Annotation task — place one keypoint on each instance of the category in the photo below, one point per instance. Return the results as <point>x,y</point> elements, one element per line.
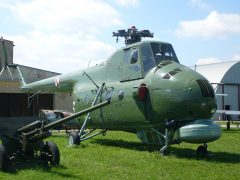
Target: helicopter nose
<point>180,93</point>
<point>200,98</point>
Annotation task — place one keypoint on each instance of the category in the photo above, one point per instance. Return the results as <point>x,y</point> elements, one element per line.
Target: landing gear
<point>73,138</point>
<point>164,149</point>
<point>51,153</point>
<point>169,128</point>
<point>202,150</point>
<point>3,157</point>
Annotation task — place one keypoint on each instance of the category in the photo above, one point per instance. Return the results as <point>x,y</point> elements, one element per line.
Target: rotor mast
<point>132,35</point>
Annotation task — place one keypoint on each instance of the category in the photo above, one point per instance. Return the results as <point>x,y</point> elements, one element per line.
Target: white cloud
<point>61,35</point>
<point>5,5</point>
<point>236,57</point>
<point>211,60</point>
<point>215,25</point>
<point>208,60</point>
<point>67,15</point>
<point>59,52</point>
<point>127,2</point>
<point>200,4</point>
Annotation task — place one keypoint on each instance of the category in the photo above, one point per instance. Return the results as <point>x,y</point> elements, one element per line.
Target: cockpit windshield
<point>154,53</point>
<point>162,52</point>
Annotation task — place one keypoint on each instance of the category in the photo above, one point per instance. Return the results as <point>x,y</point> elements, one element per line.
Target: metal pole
<point>223,106</point>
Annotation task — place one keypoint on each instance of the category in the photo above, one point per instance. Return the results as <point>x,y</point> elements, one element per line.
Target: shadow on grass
<point>185,153</point>
<point>127,145</point>
<point>34,163</point>
<point>231,131</point>
<point>223,157</point>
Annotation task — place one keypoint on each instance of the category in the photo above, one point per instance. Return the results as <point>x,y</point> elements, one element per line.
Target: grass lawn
<point>120,155</point>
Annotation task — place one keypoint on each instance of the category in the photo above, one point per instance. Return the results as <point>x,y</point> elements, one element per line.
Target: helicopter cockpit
<point>140,57</point>
<point>154,53</point>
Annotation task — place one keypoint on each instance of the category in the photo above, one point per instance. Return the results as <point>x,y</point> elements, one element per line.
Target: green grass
<point>120,155</point>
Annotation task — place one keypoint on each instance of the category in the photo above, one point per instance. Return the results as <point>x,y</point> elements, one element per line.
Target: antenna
<point>132,35</point>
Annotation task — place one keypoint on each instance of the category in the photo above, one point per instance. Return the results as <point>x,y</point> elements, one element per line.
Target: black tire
<point>50,151</point>
<point>73,138</point>
<point>202,150</point>
<point>3,158</point>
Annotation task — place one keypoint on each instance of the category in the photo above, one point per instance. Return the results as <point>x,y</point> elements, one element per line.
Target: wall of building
<point>9,86</point>
<point>14,102</point>
<point>19,104</point>
<point>63,101</point>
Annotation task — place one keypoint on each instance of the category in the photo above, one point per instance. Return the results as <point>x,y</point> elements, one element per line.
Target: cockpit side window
<point>163,52</point>
<point>147,58</point>
<point>131,67</point>
<point>131,55</point>
<point>126,55</point>
<point>134,56</point>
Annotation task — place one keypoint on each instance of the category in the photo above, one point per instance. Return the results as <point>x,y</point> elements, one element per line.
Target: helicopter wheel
<point>73,138</point>
<point>51,153</point>
<point>202,150</point>
<point>3,158</point>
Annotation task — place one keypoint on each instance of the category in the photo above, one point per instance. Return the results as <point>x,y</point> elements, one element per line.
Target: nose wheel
<point>202,150</point>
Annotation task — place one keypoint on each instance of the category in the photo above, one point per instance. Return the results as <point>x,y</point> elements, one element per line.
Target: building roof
<point>30,74</point>
<point>224,72</point>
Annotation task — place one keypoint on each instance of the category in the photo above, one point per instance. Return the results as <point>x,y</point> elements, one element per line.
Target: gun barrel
<point>34,125</point>
<point>85,111</point>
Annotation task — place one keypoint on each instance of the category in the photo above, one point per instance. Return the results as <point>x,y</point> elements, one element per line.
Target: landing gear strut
<point>164,149</point>
<point>76,138</point>
<point>202,150</point>
<point>169,128</point>
<point>166,137</point>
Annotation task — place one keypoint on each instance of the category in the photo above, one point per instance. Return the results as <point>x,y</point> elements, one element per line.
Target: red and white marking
<point>57,82</point>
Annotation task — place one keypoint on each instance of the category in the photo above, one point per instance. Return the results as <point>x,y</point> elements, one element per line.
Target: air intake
<point>206,88</point>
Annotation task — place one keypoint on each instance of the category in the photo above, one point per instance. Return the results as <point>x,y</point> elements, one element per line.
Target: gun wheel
<point>3,157</point>
<point>50,152</point>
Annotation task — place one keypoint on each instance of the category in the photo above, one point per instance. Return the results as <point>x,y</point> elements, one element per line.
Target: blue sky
<point>66,35</point>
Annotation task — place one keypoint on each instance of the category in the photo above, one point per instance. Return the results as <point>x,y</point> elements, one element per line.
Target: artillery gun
<point>25,137</point>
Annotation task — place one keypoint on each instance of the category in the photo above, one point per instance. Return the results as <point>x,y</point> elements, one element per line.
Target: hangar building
<point>13,102</point>
<point>225,78</point>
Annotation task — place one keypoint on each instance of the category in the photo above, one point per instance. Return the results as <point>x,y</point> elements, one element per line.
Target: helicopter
<point>151,94</point>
